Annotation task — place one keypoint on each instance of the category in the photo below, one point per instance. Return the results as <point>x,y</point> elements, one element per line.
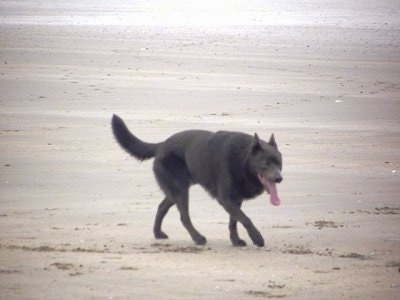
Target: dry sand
<point>76,213</point>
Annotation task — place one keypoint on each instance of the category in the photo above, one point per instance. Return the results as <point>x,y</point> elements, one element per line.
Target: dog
<point>230,166</point>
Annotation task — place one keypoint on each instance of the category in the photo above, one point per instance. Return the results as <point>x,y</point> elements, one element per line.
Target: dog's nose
<point>278,179</point>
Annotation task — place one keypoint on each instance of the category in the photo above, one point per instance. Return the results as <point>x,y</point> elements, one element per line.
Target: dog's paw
<point>160,235</point>
<point>259,243</point>
<point>257,239</point>
<point>200,240</point>
<point>239,243</point>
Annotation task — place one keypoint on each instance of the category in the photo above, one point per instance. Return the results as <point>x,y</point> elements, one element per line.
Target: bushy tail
<point>137,148</point>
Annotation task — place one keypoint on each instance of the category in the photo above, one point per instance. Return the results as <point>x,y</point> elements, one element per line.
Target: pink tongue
<point>273,194</point>
<point>271,188</point>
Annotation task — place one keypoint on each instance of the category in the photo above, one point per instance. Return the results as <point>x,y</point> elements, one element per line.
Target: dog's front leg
<point>234,235</point>
<point>237,215</point>
<point>235,239</point>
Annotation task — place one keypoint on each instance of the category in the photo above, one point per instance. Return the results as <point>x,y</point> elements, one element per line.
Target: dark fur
<point>224,163</point>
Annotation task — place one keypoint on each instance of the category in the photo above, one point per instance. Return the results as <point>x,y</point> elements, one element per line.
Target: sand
<point>76,212</point>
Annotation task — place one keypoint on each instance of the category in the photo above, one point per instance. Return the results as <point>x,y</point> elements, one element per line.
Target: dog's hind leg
<point>163,208</point>
<point>182,201</point>
<point>173,178</point>
<point>235,239</point>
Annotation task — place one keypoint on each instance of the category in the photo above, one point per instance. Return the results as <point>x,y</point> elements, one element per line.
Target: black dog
<point>231,166</point>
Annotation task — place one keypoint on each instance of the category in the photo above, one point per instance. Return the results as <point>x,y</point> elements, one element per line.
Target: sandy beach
<point>76,212</point>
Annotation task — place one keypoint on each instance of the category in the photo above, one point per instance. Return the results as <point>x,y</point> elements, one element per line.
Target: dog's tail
<point>137,148</point>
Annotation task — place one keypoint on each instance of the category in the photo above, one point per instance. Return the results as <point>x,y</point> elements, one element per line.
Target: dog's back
<point>214,160</point>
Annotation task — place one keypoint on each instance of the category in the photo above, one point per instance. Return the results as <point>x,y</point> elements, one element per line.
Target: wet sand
<point>76,212</point>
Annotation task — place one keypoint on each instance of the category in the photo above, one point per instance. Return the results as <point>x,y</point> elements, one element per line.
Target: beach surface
<point>76,211</point>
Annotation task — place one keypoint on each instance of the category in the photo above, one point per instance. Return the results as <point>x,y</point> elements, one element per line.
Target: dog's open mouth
<point>270,188</point>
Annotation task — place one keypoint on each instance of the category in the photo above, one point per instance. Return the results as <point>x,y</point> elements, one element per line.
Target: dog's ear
<point>256,144</point>
<point>272,141</point>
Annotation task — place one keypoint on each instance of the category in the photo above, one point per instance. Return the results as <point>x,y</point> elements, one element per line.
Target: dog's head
<point>266,162</point>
